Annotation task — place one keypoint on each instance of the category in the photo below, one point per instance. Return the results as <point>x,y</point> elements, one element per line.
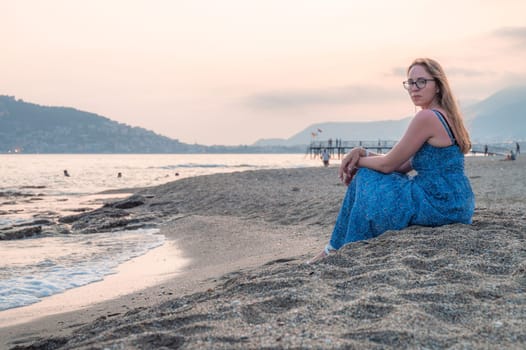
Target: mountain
<point>498,118</point>
<point>384,130</point>
<point>31,128</point>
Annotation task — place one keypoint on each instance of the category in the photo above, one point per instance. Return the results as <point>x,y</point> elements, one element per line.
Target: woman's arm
<point>405,167</point>
<point>422,127</point>
<point>347,171</point>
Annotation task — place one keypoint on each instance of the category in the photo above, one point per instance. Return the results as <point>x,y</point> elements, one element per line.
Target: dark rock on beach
<point>131,202</point>
<point>14,194</point>
<point>19,232</point>
<point>107,218</point>
<point>32,228</point>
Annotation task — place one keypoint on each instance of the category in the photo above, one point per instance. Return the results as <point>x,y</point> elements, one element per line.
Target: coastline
<point>246,236</point>
<point>130,277</point>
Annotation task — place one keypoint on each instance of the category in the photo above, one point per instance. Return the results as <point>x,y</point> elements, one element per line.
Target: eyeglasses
<point>420,83</point>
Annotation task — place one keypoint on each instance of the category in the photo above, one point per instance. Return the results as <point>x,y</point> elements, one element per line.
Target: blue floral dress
<point>439,194</point>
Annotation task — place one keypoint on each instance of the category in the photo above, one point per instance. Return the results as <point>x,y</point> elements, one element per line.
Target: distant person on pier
<point>66,173</point>
<point>381,195</point>
<point>325,156</point>
<point>119,174</point>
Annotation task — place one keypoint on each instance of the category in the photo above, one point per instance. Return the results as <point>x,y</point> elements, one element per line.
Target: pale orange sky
<point>234,71</point>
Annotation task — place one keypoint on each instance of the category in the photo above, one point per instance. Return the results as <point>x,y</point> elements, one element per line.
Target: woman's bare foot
<point>328,250</point>
<point>322,255</point>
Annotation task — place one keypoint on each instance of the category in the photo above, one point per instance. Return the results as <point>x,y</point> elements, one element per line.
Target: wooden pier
<point>338,148</point>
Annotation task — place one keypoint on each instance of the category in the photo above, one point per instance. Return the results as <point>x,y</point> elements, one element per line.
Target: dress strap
<point>444,122</point>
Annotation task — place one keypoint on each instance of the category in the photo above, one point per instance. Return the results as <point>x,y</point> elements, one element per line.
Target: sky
<point>231,72</point>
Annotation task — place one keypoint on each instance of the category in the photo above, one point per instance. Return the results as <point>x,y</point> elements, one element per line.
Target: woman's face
<point>422,87</point>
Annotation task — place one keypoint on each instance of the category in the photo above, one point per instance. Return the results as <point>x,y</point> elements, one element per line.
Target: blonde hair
<point>446,101</point>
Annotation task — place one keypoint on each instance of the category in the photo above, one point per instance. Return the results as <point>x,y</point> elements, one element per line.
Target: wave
<point>52,265</point>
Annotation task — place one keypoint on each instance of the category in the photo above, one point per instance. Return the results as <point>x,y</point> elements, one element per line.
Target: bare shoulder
<point>425,125</point>
<point>425,115</point>
<point>427,122</point>
<point>423,119</point>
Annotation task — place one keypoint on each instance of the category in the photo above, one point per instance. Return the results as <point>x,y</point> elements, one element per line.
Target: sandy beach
<point>245,238</point>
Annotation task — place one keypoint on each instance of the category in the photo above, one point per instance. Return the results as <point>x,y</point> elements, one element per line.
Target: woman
<point>381,196</point>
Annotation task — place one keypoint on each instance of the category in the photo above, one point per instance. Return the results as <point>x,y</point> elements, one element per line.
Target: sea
<point>35,187</point>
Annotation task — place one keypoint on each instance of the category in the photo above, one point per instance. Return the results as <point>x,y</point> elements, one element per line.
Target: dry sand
<point>247,236</point>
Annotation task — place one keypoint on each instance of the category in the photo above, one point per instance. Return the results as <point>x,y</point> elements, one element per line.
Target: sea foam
<point>50,265</point>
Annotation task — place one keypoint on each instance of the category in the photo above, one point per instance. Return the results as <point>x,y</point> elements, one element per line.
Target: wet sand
<point>155,267</point>
<point>246,237</point>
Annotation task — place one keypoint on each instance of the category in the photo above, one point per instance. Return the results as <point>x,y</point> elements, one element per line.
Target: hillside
<point>500,117</point>
<point>30,128</point>
<point>384,130</point>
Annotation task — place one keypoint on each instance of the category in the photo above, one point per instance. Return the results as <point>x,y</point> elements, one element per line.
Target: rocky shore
<point>248,287</point>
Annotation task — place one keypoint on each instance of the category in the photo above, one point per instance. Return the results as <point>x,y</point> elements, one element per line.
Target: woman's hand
<point>348,166</point>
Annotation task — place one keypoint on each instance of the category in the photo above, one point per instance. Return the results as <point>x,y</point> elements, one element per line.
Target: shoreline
<point>200,274</point>
<point>130,277</point>
<point>247,235</point>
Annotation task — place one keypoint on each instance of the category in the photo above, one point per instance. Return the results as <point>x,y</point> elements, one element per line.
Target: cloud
<point>398,72</point>
<point>323,97</point>
<point>517,35</point>
<point>467,72</point>
<point>509,79</point>
<point>514,33</point>
<point>450,71</point>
